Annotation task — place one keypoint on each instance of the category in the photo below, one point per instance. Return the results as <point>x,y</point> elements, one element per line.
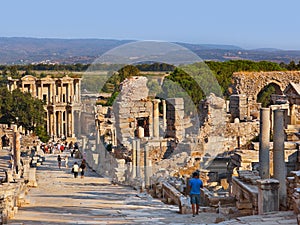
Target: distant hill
<point>19,50</point>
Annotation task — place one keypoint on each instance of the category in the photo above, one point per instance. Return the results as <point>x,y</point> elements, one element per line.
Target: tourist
<point>82,168</point>
<point>195,184</point>
<point>75,169</point>
<point>59,161</point>
<point>66,161</point>
<point>72,152</point>
<point>58,147</point>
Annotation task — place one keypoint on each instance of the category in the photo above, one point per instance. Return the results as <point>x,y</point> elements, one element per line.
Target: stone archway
<point>251,83</point>
<point>269,94</point>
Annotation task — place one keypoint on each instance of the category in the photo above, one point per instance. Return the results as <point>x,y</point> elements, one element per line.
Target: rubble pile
<point>293,192</point>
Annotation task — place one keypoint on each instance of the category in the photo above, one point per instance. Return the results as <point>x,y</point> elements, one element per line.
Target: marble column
<point>48,122</point>
<point>155,117</point>
<point>133,159</point>
<point>264,143</point>
<point>138,158</point>
<point>146,166</point>
<point>279,167</point>
<point>54,124</point>
<point>70,123</point>
<point>79,122</point>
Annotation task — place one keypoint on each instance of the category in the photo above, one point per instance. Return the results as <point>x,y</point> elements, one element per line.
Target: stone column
<point>54,124</point>
<point>17,153</point>
<point>155,117</point>
<point>164,104</point>
<point>63,125</point>
<point>61,92</point>
<point>264,143</point>
<point>48,122</point>
<point>268,198</point>
<point>279,167</point>
<point>138,158</point>
<point>133,159</point>
<point>78,122</point>
<point>58,124</point>
<point>146,166</point>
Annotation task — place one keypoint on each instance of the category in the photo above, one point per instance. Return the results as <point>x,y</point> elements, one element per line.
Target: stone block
<point>175,101</point>
<point>244,205</point>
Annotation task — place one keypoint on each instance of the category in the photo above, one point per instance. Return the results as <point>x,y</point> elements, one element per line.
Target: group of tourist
<point>76,168</point>
<point>59,147</point>
<point>60,159</point>
<point>79,168</point>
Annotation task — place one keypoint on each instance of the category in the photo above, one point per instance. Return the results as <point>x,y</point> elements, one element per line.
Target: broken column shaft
<point>264,143</point>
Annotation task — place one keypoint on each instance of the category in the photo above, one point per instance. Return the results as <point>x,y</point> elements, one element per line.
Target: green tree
<point>264,96</point>
<point>154,87</point>
<point>24,110</point>
<point>113,83</point>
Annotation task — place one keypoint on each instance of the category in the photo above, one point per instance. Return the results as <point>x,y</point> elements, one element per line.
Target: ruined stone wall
<point>218,135</point>
<point>175,115</point>
<point>131,104</point>
<point>293,192</point>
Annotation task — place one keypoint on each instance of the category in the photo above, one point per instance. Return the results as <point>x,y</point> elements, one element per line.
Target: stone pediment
<point>28,78</point>
<point>293,89</point>
<point>66,78</point>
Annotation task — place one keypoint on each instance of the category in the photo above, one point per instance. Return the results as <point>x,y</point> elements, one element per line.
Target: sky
<point>247,24</point>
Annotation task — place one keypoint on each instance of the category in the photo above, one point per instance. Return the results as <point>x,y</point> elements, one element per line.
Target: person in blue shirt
<point>195,184</point>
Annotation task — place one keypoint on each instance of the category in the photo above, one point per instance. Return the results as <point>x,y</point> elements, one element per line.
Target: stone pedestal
<point>279,167</point>
<point>32,178</point>
<point>264,143</point>
<point>268,196</point>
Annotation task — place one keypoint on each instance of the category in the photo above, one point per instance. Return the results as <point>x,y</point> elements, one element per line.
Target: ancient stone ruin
<point>16,174</point>
<point>245,153</point>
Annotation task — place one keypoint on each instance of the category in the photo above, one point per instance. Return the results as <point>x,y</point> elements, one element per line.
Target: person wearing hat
<point>195,184</point>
